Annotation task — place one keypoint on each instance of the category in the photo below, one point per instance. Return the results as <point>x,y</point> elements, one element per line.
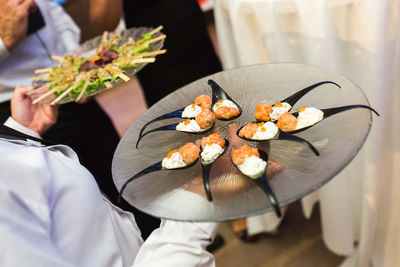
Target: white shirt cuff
<point>10,122</point>
<point>3,51</point>
<point>208,228</point>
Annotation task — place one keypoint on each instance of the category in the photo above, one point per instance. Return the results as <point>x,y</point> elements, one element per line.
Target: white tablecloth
<point>360,39</point>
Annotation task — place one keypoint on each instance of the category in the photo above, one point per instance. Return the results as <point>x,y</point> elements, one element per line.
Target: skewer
<point>33,90</point>
<point>153,53</point>
<point>159,28</point>
<point>76,83</point>
<point>37,78</point>
<point>57,58</point>
<point>149,42</point>
<point>155,39</point>
<point>143,60</point>
<point>116,72</point>
<point>113,41</point>
<point>123,77</point>
<point>149,59</point>
<point>102,42</point>
<point>83,90</point>
<point>126,44</point>
<point>43,70</point>
<point>108,85</point>
<point>40,98</point>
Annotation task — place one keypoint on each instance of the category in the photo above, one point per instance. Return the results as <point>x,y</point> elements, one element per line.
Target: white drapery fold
<point>360,39</point>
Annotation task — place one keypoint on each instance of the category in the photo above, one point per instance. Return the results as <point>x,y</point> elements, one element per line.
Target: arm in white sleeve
<point>24,241</point>
<point>25,228</point>
<point>178,244</point>
<point>3,51</point>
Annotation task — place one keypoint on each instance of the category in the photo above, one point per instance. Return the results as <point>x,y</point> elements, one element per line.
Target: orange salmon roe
<point>238,155</point>
<point>94,59</point>
<point>278,104</point>
<point>302,109</point>
<point>171,153</point>
<point>263,129</point>
<point>219,102</point>
<point>186,122</point>
<point>260,124</point>
<point>193,105</point>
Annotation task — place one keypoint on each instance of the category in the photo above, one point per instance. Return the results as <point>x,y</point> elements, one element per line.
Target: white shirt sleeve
<point>3,50</point>
<point>178,244</point>
<point>26,228</point>
<point>10,122</point>
<point>24,217</point>
<point>18,250</point>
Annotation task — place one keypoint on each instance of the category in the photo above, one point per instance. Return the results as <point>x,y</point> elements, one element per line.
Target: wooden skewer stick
<point>102,42</point>
<point>62,95</point>
<point>108,85</point>
<point>156,39</point>
<point>153,53</point>
<point>37,78</point>
<point>123,77</point>
<point>57,58</point>
<point>83,90</point>
<point>73,86</point>
<point>143,60</point>
<point>36,90</point>
<point>40,98</point>
<point>159,28</point>
<point>43,70</point>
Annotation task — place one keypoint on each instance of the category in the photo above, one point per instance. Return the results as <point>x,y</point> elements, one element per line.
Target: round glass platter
<point>179,194</point>
<point>88,50</point>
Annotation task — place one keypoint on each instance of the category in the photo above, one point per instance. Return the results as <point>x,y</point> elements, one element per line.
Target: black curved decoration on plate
<point>153,168</point>
<point>264,184</point>
<point>170,127</point>
<point>169,115</point>
<point>219,94</point>
<point>283,136</point>
<point>206,168</point>
<point>296,96</point>
<point>332,111</point>
<point>344,141</point>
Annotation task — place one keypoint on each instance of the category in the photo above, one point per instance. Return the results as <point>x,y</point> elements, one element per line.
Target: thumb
<point>20,92</point>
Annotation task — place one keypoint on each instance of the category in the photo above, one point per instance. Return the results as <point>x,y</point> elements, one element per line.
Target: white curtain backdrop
<point>360,39</point>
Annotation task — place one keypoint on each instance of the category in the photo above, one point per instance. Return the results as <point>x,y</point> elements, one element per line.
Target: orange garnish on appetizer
<point>278,104</point>
<point>171,153</point>
<point>94,59</point>
<point>260,124</point>
<point>219,102</point>
<point>302,109</point>
<point>186,122</point>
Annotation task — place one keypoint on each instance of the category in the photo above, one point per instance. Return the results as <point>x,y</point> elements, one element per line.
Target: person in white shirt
<point>53,213</point>
<point>83,127</point>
